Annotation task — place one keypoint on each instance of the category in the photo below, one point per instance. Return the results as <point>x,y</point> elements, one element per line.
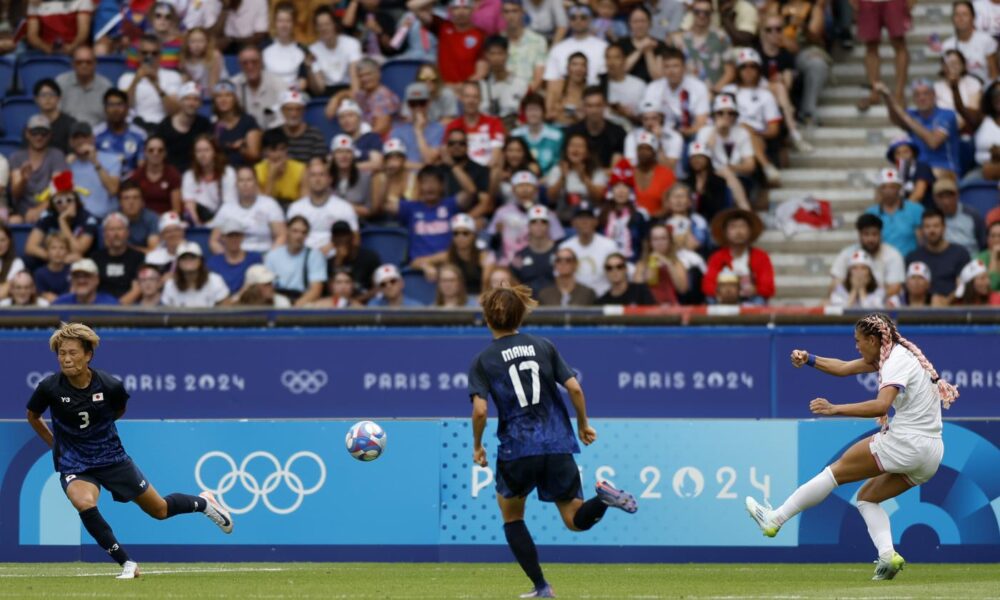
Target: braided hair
<point>880,325</point>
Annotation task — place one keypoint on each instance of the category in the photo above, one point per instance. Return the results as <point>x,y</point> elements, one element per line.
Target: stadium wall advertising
<point>675,372</point>
<point>298,495</point>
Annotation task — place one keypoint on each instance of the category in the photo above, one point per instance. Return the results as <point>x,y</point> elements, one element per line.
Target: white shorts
<point>916,457</point>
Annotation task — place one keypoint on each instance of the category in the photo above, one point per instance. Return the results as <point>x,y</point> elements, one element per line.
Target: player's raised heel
<point>217,513</point>
<point>887,569</point>
<point>763,516</point>
<point>130,570</point>
<point>612,496</point>
<point>545,592</point>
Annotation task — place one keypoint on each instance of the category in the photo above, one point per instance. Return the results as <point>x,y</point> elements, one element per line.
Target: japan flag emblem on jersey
<point>98,397</point>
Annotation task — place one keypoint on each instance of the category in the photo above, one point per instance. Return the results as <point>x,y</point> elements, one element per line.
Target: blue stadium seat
<point>6,76</point>
<point>980,195</point>
<point>20,234</point>
<point>397,74</point>
<point>206,108</point>
<point>315,117</point>
<point>16,112</point>
<point>232,64</point>
<point>9,146</point>
<point>112,67</point>
<point>417,286</point>
<point>390,243</point>
<point>199,235</point>
<point>35,68</point>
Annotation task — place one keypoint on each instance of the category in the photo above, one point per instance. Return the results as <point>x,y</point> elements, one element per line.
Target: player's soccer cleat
<point>218,514</point>
<point>612,496</point>
<point>545,592</point>
<point>130,570</point>
<point>764,516</point>
<point>887,569</point>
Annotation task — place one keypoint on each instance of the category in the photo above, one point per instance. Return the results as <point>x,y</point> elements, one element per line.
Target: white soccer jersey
<point>322,217</point>
<point>757,106</point>
<point>918,405</point>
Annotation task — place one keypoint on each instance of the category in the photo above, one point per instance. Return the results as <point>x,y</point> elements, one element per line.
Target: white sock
<point>878,527</point>
<point>808,495</point>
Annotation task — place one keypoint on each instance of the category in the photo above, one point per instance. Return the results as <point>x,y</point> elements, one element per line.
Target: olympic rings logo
<point>34,378</point>
<point>304,382</point>
<point>261,490</point>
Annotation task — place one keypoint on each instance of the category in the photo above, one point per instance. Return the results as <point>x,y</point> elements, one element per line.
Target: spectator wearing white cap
<point>623,89</point>
<point>652,179</point>
<point>300,270</point>
<point>393,182</point>
<point>285,57</point>
<point>152,90</point>
<point>180,130</point>
<point>171,238</point>
<point>335,56</point>
<point>590,248</point>
<point>421,135</point>
<point>366,141</point>
<point>378,103</point>
<point>916,289</point>
<point>729,145</point>
<point>23,292</point>
<point>759,112</point>
<point>475,262</point>
<point>900,218</point>
<point>32,169</point>
<point>515,156</point>
<point>321,206</point>
<point>348,181</point>
<point>945,259</point>
<point>304,141</point>
<point>974,286</point>
<point>727,288</point>
<point>670,143</point>
<point>118,263</point>
<point>679,94</point>
<point>859,289</point>
<point>887,263</point>
<point>233,262</point>
<point>580,40</point>
<point>84,282</point>
<point>390,285</point>
<point>259,91</point>
<point>192,284</point>
<point>258,290</point>
<point>262,215</point>
<point>510,226</point>
<point>534,264</point>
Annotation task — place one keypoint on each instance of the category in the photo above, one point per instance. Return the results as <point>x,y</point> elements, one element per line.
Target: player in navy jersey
<point>86,449</point>
<point>521,373</point>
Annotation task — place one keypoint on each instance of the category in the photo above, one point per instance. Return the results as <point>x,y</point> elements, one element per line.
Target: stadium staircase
<point>850,148</point>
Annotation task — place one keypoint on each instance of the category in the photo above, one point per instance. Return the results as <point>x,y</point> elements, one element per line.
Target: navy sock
<point>179,504</point>
<point>99,529</point>
<point>523,547</point>
<point>589,513</point>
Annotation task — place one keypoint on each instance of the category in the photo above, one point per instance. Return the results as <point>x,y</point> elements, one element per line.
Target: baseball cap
<point>386,271</point>
<point>724,102</point>
<point>342,142</point>
<point>258,274</point>
<point>340,228</point>
<point>171,219</point>
<point>944,185</point>
<point>84,265</point>
<point>578,9</point>
<point>524,177</point>
<point>80,128</point>
<point>418,91</point>
<point>348,106</point>
<point>747,55</point>
<point>646,138</point>
<point>698,149</point>
<point>232,226</point>
<point>918,269</point>
<point>538,212</point>
<point>887,176</point>
<point>903,140</point>
<point>974,269</point>
<point>648,106</point>
<point>393,146</point>
<point>585,208</point>
<point>189,89</point>
<point>39,122</point>
<point>463,222</point>
<point>860,257</point>
<point>189,248</point>
<point>224,86</point>
<point>727,275</point>
<point>292,97</point>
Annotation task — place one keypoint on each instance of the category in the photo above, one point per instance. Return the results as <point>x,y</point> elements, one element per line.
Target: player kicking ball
<point>86,449</point>
<point>901,456</point>
<point>520,372</point>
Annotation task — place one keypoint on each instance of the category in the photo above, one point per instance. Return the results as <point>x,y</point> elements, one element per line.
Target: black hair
<point>986,105</point>
<point>867,220</point>
<point>115,93</point>
<point>47,83</point>
<point>966,3</point>
<point>594,90</point>
<point>641,8</point>
<point>300,219</point>
<point>532,98</point>
<point>496,41</point>
<point>930,212</point>
<point>273,138</point>
<point>431,171</point>
<point>669,52</point>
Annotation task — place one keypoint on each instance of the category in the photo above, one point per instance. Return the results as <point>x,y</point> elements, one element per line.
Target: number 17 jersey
<point>521,373</point>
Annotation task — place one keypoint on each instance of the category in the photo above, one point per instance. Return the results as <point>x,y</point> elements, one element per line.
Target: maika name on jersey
<point>517,352</point>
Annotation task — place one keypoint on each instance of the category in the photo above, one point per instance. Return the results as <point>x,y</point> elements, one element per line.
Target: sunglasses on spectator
<point>565,259</point>
<point>701,13</point>
<point>162,15</point>
<point>726,113</point>
<point>614,267</point>
<point>146,54</point>
<point>417,102</point>
<point>545,221</point>
<point>456,142</point>
<point>461,233</point>
<point>388,282</point>
<point>62,200</point>
<point>39,131</point>
<point>773,29</point>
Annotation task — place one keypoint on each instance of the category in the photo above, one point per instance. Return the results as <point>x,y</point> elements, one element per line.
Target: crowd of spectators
<point>602,152</point>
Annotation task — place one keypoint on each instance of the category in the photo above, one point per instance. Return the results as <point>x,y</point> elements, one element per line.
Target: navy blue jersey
<point>83,421</point>
<point>520,373</point>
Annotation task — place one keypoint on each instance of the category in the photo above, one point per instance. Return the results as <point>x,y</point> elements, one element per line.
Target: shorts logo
<point>98,397</point>
<point>142,483</point>
<point>70,478</point>
<point>304,381</point>
<point>260,491</point>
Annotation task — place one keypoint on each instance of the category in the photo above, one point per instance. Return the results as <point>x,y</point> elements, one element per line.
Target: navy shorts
<point>124,480</point>
<point>555,475</point>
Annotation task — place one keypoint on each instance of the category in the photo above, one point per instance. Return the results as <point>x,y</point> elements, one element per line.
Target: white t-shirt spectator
<point>591,46</point>
<point>730,150</point>
<point>690,98</point>
<point>627,92</point>
<point>258,219</point>
<point>841,297</point>
<point>250,18</point>
<point>321,218</point>
<point>332,63</point>
<point>757,106</point>
<point>987,136</point>
<point>4,172</point>
<point>210,294</point>
<point>211,194</point>
<point>987,17</point>
<point>148,104</point>
<point>968,87</point>
<point>976,52</point>
<point>888,265</point>
<point>671,144</point>
<point>590,261</point>
<point>198,13</point>
<point>284,61</point>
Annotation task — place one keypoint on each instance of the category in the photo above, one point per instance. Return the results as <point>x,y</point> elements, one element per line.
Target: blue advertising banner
<point>296,494</point>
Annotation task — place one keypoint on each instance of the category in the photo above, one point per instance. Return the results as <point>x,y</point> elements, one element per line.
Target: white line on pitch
<point>145,572</point>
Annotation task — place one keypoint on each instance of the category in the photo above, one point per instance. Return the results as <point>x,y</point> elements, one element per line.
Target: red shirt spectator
<point>55,26</point>
<point>459,41</point>
<point>485,133</point>
<point>737,229</point>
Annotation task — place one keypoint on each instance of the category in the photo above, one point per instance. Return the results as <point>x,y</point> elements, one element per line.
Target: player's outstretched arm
<point>879,407</point>
<point>40,427</point>
<point>479,413</point>
<point>831,366</point>
<point>587,433</point>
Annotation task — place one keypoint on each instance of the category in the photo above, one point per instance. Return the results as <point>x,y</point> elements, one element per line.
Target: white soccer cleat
<point>764,516</point>
<point>887,569</point>
<point>130,570</point>
<point>215,511</point>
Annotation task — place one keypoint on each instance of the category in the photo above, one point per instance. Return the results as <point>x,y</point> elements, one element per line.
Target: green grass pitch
<point>442,581</point>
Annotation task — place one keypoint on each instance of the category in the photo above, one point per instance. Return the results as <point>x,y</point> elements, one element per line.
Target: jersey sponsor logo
<point>65,399</point>
<point>304,381</point>
<point>70,478</point>
<point>98,397</point>
<point>260,490</point>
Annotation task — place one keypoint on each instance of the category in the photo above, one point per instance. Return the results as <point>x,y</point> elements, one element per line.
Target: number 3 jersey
<point>521,374</point>
<point>83,420</point>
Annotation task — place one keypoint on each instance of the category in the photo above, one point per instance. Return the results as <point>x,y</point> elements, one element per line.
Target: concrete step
<point>819,242</point>
<point>801,286</point>
<point>835,196</point>
<point>853,72</point>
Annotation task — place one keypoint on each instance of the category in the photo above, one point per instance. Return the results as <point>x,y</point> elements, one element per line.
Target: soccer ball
<point>365,440</point>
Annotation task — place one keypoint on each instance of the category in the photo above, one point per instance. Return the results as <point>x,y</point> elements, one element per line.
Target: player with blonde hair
<point>893,460</point>
<point>84,404</point>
